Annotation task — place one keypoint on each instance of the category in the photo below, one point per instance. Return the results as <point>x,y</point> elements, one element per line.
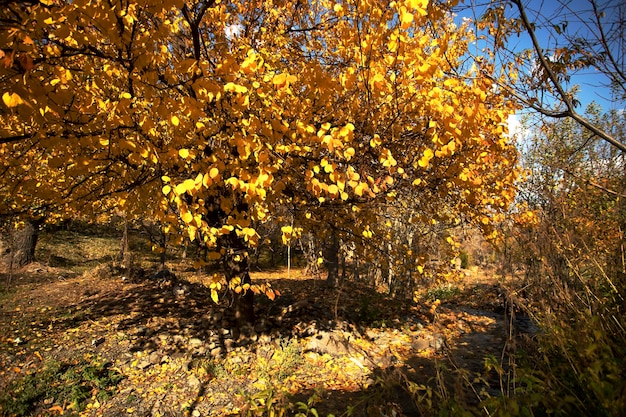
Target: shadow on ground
<point>162,317</point>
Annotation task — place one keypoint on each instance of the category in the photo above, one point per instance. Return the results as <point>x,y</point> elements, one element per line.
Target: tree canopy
<point>209,116</point>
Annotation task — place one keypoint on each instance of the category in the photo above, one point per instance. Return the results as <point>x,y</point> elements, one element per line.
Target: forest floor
<point>92,341</point>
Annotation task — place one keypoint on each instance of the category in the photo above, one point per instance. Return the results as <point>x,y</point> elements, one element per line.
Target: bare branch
<point>570,111</point>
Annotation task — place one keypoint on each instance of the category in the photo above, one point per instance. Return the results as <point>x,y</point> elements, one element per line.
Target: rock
<point>143,364</point>
<point>229,344</point>
<point>140,330</point>
<point>437,342</point>
<point>235,333</point>
<point>372,335</point>
<point>421,343</point>
<point>154,358</point>
<point>163,275</point>
<point>194,342</point>
<point>98,341</point>
<point>328,342</point>
<point>261,326</point>
<point>193,381</point>
<point>216,352</point>
<point>312,355</point>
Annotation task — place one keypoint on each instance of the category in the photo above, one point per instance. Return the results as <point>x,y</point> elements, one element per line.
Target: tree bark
<point>124,254</point>
<point>236,263</point>
<point>331,260</point>
<point>24,244</point>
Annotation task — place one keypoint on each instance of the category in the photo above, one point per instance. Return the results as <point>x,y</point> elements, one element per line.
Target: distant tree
<point>573,247</point>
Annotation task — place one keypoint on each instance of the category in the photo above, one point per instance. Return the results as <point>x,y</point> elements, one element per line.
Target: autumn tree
<point>210,116</point>
<point>572,249</point>
<point>541,53</point>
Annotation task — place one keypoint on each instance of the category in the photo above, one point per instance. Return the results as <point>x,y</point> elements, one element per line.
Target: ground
<point>154,344</point>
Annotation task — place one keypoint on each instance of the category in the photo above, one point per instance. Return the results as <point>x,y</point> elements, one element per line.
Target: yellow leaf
<point>184,153</point>
<point>249,231</point>
<point>187,217</point>
<point>214,296</point>
<point>12,100</point>
<point>189,184</point>
<point>360,189</point>
<point>214,173</point>
<point>166,189</point>
<point>425,159</point>
<point>175,121</point>
<point>207,181</point>
<point>406,19</point>
<point>375,141</point>
<point>180,188</point>
<point>235,88</point>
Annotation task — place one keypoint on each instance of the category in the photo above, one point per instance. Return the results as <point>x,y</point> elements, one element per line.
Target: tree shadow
<point>177,318</point>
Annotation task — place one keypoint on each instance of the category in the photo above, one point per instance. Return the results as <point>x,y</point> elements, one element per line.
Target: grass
<point>443,292</point>
<point>65,384</point>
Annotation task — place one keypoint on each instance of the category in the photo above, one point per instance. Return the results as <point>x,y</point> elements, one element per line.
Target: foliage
<point>72,383</point>
<point>572,249</point>
<point>214,117</point>
<point>442,292</point>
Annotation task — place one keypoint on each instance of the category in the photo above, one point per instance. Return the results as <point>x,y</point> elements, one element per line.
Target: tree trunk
<point>236,263</point>
<point>24,244</point>
<point>331,260</point>
<point>244,304</point>
<point>124,254</point>
<point>163,248</point>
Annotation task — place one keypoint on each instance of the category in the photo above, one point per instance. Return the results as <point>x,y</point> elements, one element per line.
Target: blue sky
<point>580,18</point>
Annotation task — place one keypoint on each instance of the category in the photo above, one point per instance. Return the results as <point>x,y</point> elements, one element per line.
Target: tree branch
<point>570,112</point>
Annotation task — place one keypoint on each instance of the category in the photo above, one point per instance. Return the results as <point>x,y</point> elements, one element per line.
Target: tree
<point>210,116</point>
<point>573,249</point>
<point>567,39</point>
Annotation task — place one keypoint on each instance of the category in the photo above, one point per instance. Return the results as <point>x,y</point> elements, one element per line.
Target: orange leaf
<point>56,408</point>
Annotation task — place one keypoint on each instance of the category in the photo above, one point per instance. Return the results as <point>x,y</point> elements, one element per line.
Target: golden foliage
<point>207,116</point>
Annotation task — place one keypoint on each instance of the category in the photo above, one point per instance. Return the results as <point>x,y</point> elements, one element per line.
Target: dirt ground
<point>175,353</point>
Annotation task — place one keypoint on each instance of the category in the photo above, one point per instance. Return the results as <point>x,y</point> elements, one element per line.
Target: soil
<point>181,354</point>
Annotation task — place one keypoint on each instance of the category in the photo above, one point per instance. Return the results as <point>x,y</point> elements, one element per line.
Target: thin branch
<point>570,112</point>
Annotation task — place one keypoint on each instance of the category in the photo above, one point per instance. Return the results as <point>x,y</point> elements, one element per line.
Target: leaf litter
<point>176,352</point>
